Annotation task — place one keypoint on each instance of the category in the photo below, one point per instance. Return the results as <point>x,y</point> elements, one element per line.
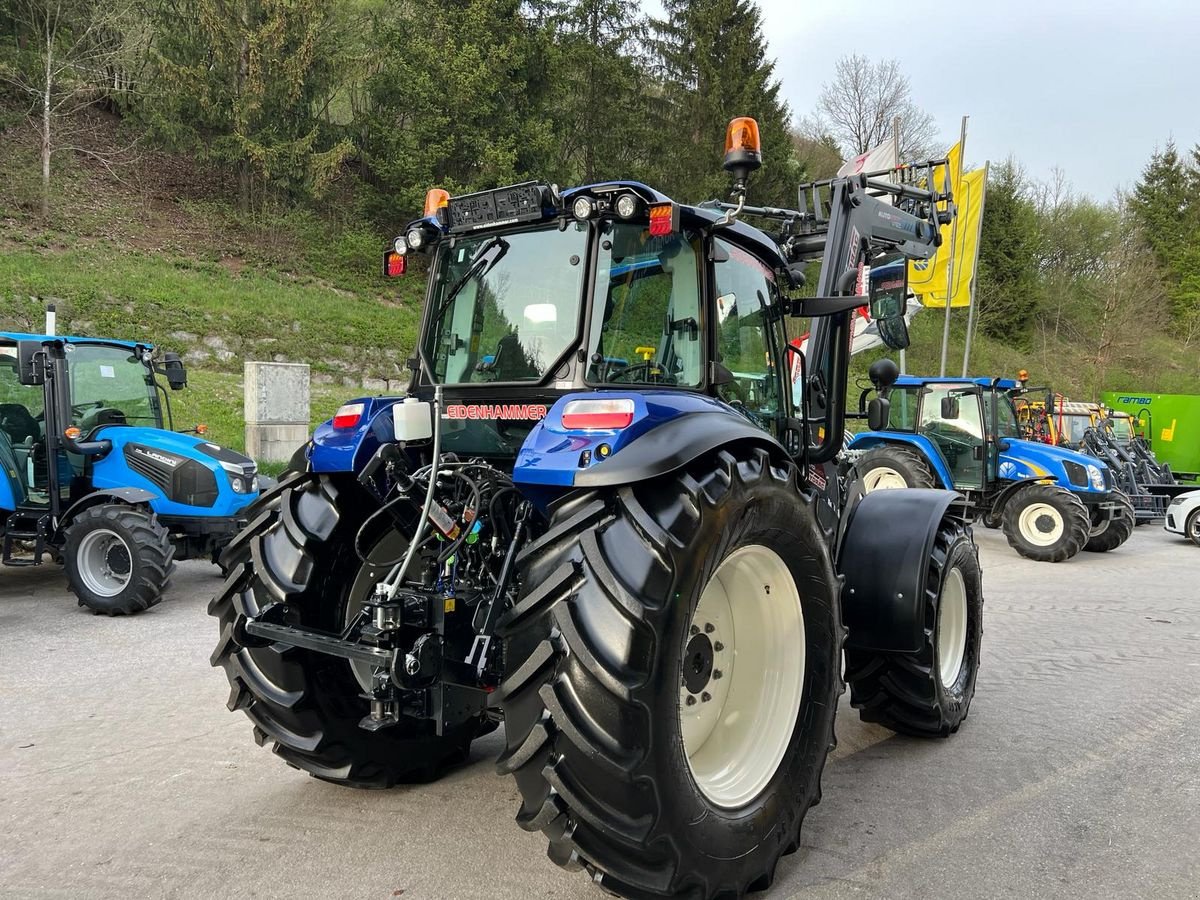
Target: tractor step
<point>24,530</point>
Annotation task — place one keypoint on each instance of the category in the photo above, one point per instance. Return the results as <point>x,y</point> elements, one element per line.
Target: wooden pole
<point>962,146</point>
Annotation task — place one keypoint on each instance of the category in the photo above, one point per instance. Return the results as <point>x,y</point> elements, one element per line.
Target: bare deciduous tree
<point>75,53</point>
<point>860,104</point>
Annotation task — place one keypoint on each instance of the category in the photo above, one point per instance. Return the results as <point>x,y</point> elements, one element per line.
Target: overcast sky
<point>1090,86</point>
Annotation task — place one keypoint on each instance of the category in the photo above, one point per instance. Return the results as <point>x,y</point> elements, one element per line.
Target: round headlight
<point>254,484</point>
<point>1097,477</point>
<point>237,485</point>
<point>583,207</point>
<point>627,206</point>
<point>416,238</point>
<point>400,245</point>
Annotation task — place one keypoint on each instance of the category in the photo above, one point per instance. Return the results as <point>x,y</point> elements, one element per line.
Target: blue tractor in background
<point>600,515</point>
<point>92,474</point>
<point>963,434</point>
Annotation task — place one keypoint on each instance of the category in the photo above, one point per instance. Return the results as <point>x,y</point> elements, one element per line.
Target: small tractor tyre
<point>1046,523</point>
<point>1115,528</point>
<point>298,549</point>
<point>1192,527</point>
<point>928,693</point>
<point>118,558</point>
<point>891,466</point>
<point>623,610</point>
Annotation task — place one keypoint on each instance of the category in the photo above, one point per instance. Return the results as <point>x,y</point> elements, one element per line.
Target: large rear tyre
<point>1046,523</point>
<point>928,693</point>
<point>1113,527</point>
<point>118,558</point>
<point>299,550</point>
<point>674,668</point>
<point>888,467</point>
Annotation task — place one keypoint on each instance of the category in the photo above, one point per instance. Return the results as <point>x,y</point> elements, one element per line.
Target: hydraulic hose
<point>422,523</point>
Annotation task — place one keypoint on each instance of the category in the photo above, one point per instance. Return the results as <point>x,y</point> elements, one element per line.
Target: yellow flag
<point>928,278</point>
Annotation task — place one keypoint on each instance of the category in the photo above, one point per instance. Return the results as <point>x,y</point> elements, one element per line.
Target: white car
<point>1183,516</point>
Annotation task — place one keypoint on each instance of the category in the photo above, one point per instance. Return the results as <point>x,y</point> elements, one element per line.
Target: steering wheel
<point>18,423</point>
<point>649,366</point>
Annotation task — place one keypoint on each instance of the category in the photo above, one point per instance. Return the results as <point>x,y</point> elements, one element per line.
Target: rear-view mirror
<point>29,368</point>
<point>888,301</point>
<point>950,408</point>
<point>174,369</point>
<point>879,410</point>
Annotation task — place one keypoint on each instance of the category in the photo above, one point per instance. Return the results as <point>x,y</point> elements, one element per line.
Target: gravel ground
<point>122,773</point>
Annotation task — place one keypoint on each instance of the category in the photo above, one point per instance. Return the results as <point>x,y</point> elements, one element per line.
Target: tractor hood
<point>189,475</point>
<point>1033,459</point>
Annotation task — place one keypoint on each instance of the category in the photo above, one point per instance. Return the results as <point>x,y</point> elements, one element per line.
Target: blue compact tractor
<point>963,434</point>
<point>601,515</point>
<point>90,475</point>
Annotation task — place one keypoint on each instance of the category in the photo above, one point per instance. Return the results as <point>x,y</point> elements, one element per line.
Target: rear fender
<point>669,429</point>
<point>923,445</point>
<point>347,450</point>
<point>885,566</point>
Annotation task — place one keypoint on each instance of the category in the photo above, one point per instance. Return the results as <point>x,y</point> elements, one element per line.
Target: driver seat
<point>11,470</point>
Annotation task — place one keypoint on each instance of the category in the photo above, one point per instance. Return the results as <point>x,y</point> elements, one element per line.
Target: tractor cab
<point>92,471</point>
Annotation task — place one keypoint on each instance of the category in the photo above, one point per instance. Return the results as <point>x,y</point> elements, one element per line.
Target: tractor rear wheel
<point>118,558</point>
<point>1114,526</point>
<point>887,467</point>
<point>928,693</point>
<point>299,550</point>
<point>1046,523</point>
<point>674,665</point>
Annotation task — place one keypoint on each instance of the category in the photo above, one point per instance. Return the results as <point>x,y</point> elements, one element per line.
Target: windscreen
<point>506,307</point>
<point>110,386</point>
<point>646,322</point>
<point>1006,415</point>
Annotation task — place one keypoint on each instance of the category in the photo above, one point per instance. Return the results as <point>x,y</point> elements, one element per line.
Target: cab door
<point>748,336</point>
<point>952,418</point>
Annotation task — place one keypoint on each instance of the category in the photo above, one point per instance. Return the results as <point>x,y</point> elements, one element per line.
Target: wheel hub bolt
<point>706,696</point>
<point>690,701</point>
<point>718,646</point>
<point>716,673</point>
<point>695,630</point>
<point>708,628</point>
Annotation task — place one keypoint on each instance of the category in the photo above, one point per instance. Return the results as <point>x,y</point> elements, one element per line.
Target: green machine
<point>1170,424</point>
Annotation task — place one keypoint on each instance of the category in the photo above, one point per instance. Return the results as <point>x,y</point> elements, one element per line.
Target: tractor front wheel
<point>1113,526</point>
<point>674,669</point>
<point>888,467</point>
<point>118,558</point>
<point>928,693</point>
<point>1046,523</point>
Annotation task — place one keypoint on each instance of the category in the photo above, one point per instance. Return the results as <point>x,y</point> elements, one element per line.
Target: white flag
<point>876,160</point>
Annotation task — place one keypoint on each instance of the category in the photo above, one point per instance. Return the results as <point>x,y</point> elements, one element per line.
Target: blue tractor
<point>91,474</point>
<point>599,516</point>
<point>963,434</point>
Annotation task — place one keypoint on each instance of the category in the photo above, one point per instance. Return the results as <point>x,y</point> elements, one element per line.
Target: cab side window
<point>744,327</point>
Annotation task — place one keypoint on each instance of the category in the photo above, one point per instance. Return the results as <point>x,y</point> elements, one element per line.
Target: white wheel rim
<point>752,621</point>
<point>883,478</point>
<point>952,627</point>
<point>105,562</point>
<point>1195,532</point>
<point>1041,524</point>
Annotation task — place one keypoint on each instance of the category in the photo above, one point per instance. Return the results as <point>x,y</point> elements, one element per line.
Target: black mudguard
<point>885,561</point>
<point>673,445</point>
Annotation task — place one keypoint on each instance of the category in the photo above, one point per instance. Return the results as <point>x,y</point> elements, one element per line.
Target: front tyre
<point>674,668</point>
<point>1046,523</point>
<point>928,693</point>
<point>118,558</point>
<point>1113,526</point>
<point>1192,528</point>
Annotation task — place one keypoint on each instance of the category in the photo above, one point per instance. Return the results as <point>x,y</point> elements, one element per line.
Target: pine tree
<point>714,66</point>
<point>1166,205</point>
<point>243,84</point>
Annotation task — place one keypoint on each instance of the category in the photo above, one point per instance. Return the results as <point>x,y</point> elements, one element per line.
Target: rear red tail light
<point>603,415</point>
<point>349,415</point>
<point>662,219</point>
<point>394,264</point>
